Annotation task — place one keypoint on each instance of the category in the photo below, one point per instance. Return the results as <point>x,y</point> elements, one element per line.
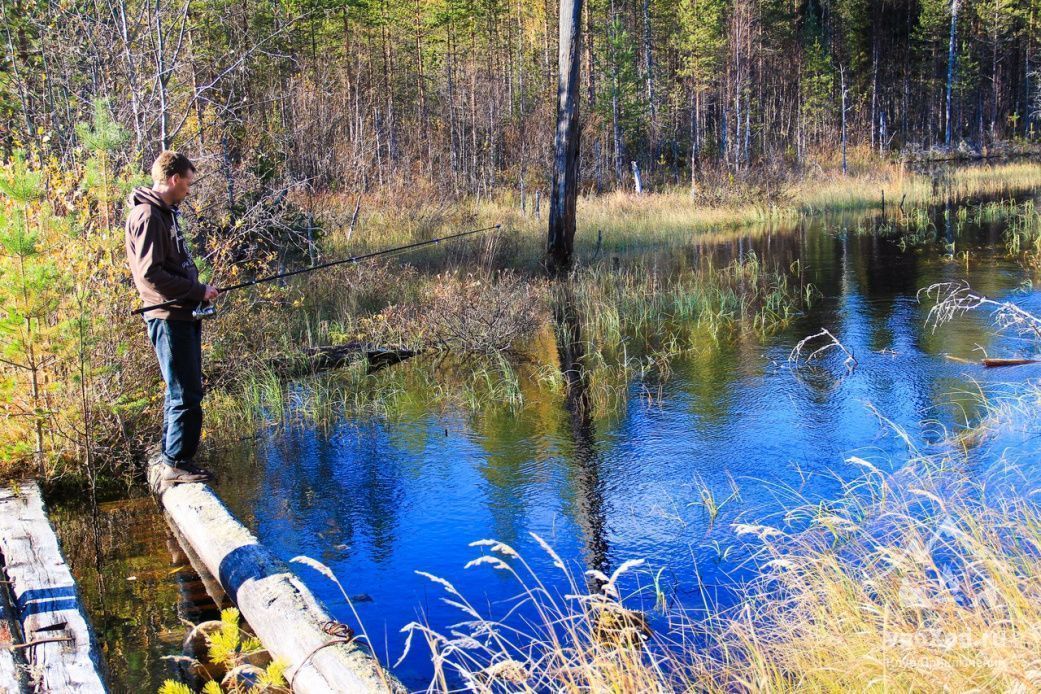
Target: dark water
<point>378,500</point>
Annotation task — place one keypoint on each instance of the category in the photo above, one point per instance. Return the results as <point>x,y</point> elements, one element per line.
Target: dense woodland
<point>461,93</point>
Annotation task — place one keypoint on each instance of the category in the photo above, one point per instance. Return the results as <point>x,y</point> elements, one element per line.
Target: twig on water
<point>833,342</point>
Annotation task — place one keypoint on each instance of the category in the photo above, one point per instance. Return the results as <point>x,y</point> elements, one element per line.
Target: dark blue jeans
<point>178,346</point>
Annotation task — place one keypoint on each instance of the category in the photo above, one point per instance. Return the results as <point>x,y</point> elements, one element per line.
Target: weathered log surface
<point>283,612</point>
<point>66,657</point>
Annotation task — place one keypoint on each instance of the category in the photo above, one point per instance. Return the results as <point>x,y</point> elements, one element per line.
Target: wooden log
<point>314,359</point>
<point>182,552</point>
<point>286,616</point>
<point>49,611</point>
<point>994,363</point>
<point>335,356</point>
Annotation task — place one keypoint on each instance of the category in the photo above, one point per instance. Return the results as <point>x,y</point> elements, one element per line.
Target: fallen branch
<point>994,363</point>
<point>954,299</point>
<point>833,343</point>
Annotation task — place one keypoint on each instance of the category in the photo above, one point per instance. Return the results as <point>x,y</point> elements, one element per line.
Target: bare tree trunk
<point>994,86</point>
<point>842,79</point>
<point>160,69</point>
<point>473,107</point>
<point>616,126</point>
<point>590,67</point>
<point>951,57</point>
<point>520,56</point>
<point>724,152</point>
<point>132,86</point>
<point>695,139</point>
<point>453,139</point>
<point>748,131</point>
<point>882,134</point>
<point>424,115</point>
<point>874,86</point>
<point>648,67</point>
<point>388,69</point>
<point>566,145</point>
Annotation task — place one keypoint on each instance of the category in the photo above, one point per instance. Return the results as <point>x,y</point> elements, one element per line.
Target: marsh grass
<point>622,221</point>
<point>906,189</point>
<point>487,341</point>
<point>636,313</point>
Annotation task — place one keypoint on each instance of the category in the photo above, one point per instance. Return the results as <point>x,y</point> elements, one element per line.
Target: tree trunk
<point>566,145</point>
<point>135,106</point>
<point>951,57</point>
<point>616,126</point>
<point>590,66</point>
<point>842,86</point>
<point>695,140</point>
<point>648,67</point>
<point>424,115</point>
<point>874,86</point>
<point>161,78</point>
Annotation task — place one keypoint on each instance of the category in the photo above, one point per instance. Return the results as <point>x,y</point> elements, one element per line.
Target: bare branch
<point>833,343</point>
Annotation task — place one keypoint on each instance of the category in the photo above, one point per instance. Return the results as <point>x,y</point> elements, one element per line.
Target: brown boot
<point>185,472</point>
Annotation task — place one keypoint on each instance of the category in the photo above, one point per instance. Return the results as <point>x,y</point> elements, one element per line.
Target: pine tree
<point>30,289</point>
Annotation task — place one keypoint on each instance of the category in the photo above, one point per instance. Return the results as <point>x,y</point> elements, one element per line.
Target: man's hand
<point>211,293</point>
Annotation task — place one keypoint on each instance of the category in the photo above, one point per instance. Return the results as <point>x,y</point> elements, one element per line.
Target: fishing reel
<point>204,310</point>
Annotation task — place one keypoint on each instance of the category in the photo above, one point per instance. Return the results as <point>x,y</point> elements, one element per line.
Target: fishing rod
<point>207,310</point>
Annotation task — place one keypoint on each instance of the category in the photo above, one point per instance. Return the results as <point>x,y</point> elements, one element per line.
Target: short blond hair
<point>169,163</point>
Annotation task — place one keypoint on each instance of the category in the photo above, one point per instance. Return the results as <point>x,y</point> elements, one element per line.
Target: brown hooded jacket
<point>159,258</point>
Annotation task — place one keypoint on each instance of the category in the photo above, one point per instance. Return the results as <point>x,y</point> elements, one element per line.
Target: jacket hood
<point>146,196</point>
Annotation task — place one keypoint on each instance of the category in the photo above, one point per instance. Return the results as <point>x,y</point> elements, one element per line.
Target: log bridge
<point>46,643</point>
<point>288,619</point>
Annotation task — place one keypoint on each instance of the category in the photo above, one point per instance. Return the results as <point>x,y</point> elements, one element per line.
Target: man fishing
<point>165,273</point>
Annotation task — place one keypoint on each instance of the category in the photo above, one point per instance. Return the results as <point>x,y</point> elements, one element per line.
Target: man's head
<point>172,176</point>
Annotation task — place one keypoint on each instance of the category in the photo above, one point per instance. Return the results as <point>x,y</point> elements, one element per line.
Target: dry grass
<point>622,220</point>
<point>900,185</point>
<point>919,587</point>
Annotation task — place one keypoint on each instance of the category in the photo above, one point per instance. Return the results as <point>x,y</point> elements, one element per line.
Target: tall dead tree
<point>952,55</point>
<point>561,239</point>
